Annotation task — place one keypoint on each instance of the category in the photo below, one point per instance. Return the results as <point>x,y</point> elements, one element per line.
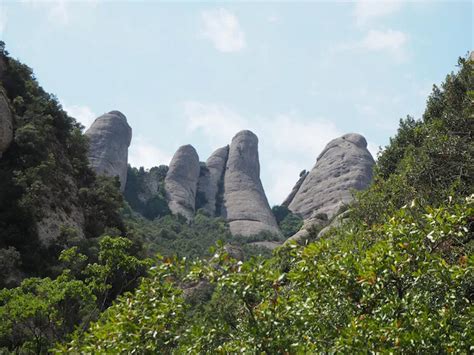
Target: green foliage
<point>116,271</point>
<point>41,312</point>
<point>280,212</point>
<point>101,202</point>
<point>429,159</point>
<point>172,235</point>
<point>145,322</point>
<point>405,285</point>
<point>289,222</point>
<point>145,191</point>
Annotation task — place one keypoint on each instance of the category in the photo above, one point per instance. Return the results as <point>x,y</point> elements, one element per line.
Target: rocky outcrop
<point>245,204</point>
<point>313,225</point>
<point>109,139</point>
<point>181,181</point>
<point>234,251</point>
<point>344,164</point>
<point>6,123</point>
<point>211,180</point>
<point>228,185</point>
<point>295,189</point>
<point>337,221</point>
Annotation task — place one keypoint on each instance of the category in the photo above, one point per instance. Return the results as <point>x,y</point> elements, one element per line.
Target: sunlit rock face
<point>344,164</point>
<point>181,181</point>
<point>245,205</point>
<point>109,139</point>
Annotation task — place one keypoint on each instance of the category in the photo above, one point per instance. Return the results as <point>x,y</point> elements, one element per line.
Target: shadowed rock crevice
<point>210,186</point>
<point>220,209</point>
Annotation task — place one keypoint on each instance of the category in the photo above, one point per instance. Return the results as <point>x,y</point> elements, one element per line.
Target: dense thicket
<point>174,236</point>
<point>145,191</point>
<point>42,311</point>
<point>289,222</point>
<point>388,287</point>
<point>430,159</point>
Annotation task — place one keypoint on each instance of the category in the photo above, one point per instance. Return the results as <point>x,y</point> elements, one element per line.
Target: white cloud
<point>285,174</point>
<point>291,134</point>
<point>83,114</point>
<point>217,122</point>
<point>223,29</point>
<point>388,41</point>
<point>366,109</point>
<point>59,12</point>
<point>273,18</point>
<point>368,10</point>
<point>393,41</point>
<point>295,140</point>
<point>144,153</point>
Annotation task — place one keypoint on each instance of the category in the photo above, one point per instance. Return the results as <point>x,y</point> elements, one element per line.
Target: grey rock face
<point>245,204</point>
<point>109,139</point>
<point>6,124</point>
<point>181,181</point>
<point>344,164</point>
<point>212,178</point>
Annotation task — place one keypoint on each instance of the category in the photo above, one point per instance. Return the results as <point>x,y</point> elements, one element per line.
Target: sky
<point>297,74</point>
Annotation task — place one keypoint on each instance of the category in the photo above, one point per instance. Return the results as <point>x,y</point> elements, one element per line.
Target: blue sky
<point>297,74</point>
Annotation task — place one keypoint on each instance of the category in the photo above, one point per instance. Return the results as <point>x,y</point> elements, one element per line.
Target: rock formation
<point>6,123</point>
<point>245,204</point>
<point>344,164</point>
<point>211,180</point>
<point>227,185</point>
<point>110,136</point>
<point>181,181</point>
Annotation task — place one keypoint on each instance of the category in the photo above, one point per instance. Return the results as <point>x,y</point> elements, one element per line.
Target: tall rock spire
<point>181,181</point>
<point>109,139</point>
<point>245,205</point>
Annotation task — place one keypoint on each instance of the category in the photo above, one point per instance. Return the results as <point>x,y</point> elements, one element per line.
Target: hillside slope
<point>49,197</point>
<point>396,277</point>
